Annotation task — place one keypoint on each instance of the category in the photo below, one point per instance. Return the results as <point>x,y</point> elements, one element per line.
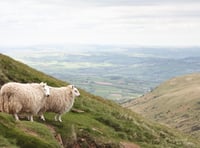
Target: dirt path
<point>56,135</point>
<point>128,145</point>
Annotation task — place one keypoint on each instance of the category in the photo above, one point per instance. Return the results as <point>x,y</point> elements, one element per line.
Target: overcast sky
<point>117,22</point>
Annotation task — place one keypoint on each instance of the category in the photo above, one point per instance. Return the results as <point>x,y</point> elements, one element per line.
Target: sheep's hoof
<point>31,118</point>
<point>16,117</point>
<point>42,118</point>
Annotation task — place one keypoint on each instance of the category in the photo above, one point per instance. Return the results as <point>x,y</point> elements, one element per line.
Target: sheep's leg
<point>16,117</point>
<point>59,118</point>
<point>31,118</point>
<point>42,117</point>
<point>56,117</point>
<point>28,117</point>
<point>16,108</point>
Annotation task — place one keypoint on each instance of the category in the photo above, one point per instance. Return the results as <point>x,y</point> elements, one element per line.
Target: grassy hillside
<point>102,124</point>
<point>175,103</point>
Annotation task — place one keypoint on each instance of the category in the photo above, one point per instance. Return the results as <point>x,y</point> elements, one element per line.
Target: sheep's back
<point>23,94</point>
<point>56,102</point>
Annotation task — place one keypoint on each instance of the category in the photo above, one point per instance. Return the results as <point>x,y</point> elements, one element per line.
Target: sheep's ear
<point>71,86</point>
<point>43,84</point>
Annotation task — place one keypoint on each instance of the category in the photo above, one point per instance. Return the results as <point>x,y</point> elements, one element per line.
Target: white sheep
<point>1,103</point>
<point>60,101</point>
<point>23,98</point>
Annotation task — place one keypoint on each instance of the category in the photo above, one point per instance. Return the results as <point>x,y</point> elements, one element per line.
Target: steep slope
<point>102,124</point>
<point>175,103</point>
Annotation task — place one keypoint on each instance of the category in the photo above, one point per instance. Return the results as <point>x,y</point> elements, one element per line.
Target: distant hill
<point>102,124</point>
<point>175,103</point>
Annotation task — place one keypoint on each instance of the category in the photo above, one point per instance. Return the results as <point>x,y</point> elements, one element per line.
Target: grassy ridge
<point>11,70</point>
<point>175,103</point>
<point>102,124</point>
<point>25,134</point>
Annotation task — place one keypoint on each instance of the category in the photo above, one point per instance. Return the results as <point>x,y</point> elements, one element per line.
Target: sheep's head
<point>46,88</point>
<point>75,91</point>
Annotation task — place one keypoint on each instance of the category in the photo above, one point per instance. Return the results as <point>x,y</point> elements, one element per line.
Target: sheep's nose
<point>47,95</point>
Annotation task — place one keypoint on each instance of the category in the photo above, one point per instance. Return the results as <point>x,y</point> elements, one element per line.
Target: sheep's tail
<point>5,103</point>
<point>1,104</point>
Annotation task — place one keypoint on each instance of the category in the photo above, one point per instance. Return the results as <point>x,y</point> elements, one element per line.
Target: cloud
<point>152,22</point>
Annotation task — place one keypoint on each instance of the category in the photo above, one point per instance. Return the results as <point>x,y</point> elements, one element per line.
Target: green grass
<point>4,142</point>
<point>102,124</point>
<point>11,70</point>
<point>25,134</point>
<point>175,103</point>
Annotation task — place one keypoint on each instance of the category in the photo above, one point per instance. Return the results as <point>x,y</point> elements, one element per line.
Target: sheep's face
<point>46,89</point>
<point>76,92</point>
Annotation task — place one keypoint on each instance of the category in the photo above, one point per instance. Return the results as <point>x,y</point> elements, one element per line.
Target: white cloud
<point>134,22</point>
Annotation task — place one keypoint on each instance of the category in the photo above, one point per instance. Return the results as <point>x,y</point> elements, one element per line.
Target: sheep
<point>1,103</point>
<point>23,98</point>
<point>60,101</point>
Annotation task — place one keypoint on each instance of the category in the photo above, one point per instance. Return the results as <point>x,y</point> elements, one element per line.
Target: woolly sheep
<point>60,101</point>
<point>1,103</point>
<point>23,98</point>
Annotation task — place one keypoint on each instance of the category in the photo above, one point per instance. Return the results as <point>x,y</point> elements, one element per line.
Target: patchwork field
<point>119,74</point>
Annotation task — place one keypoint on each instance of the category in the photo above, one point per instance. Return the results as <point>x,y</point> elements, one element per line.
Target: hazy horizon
<point>114,73</point>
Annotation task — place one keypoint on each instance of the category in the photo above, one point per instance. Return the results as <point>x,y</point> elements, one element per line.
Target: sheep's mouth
<point>46,95</point>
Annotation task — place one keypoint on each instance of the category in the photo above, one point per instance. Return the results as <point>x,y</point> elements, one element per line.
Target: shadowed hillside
<point>175,103</point>
<point>102,124</point>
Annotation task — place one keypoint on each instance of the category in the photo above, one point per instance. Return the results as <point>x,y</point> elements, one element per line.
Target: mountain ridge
<point>174,103</point>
